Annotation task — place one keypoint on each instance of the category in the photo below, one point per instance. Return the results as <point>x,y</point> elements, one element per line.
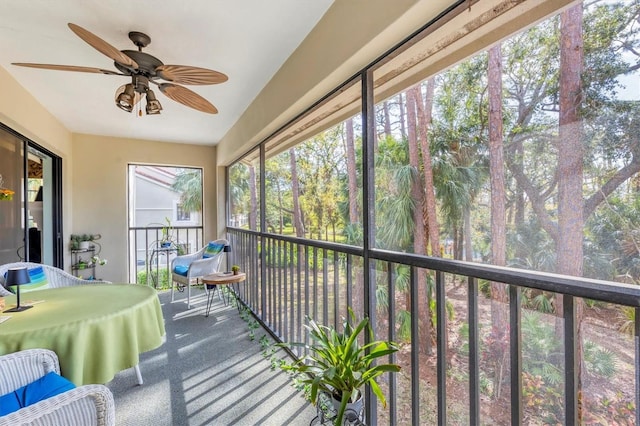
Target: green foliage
<point>404,325</point>
<point>163,273</point>
<point>188,183</point>
<point>628,314</point>
<point>598,360</point>
<point>338,365</point>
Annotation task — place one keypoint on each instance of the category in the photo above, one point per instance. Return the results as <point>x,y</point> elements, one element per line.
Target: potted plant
<point>338,366</point>
<point>82,241</point>
<point>235,269</point>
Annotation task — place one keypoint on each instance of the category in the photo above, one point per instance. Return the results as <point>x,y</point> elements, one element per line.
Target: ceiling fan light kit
<point>144,70</point>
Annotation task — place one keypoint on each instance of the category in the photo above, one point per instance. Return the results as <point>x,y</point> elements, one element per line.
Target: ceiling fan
<point>144,69</point>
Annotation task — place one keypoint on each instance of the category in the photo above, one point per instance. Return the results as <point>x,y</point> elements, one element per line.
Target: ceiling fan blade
<point>102,46</point>
<point>187,97</point>
<point>184,74</point>
<point>67,68</point>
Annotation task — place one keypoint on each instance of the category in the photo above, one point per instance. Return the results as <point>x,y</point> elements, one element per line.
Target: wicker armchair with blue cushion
<point>24,378</point>
<point>42,276</point>
<point>188,269</point>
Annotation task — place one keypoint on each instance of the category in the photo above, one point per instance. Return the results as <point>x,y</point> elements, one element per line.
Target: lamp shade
<point>227,248</point>
<point>17,276</point>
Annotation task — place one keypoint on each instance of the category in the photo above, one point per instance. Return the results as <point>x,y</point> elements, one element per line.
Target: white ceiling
<point>248,40</point>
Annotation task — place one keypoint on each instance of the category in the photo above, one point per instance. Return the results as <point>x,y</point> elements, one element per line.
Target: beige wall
<point>99,188</point>
<point>22,113</point>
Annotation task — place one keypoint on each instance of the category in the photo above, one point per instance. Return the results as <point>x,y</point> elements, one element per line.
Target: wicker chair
<point>55,277</point>
<point>198,267</point>
<point>88,405</point>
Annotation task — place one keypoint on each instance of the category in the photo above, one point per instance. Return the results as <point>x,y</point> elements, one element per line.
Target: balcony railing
<point>151,252</point>
<point>470,358</point>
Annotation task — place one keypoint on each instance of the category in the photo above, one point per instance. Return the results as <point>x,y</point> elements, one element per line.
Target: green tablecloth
<point>96,330</point>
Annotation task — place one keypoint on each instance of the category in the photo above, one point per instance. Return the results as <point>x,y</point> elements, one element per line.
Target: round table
<point>220,278</point>
<point>96,330</point>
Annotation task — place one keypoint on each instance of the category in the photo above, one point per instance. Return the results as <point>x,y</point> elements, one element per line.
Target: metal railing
<point>151,251</point>
<point>461,371</point>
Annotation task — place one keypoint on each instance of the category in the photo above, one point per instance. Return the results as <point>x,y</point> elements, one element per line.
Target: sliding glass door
<point>30,201</point>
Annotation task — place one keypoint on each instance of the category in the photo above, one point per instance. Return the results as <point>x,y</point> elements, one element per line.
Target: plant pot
<point>354,410</point>
<point>84,245</point>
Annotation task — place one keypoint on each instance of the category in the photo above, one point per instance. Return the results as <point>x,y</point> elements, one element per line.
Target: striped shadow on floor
<point>207,372</point>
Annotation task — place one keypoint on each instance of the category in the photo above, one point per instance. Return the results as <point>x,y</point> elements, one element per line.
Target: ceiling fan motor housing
<point>147,64</point>
<point>140,83</point>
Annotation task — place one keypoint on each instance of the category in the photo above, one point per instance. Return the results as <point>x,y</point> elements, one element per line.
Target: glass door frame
<point>57,257</point>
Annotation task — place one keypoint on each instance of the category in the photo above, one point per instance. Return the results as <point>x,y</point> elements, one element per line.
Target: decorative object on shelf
<point>16,277</point>
<point>337,367</point>
<point>5,193</point>
<point>83,241</point>
<point>97,261</point>
<point>235,269</point>
<point>85,258</point>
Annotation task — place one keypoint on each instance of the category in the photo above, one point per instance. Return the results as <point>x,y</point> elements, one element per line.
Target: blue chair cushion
<point>45,387</point>
<point>212,249</point>
<point>181,270</point>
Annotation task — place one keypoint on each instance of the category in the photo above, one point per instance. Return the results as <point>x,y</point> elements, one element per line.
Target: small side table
<point>220,278</point>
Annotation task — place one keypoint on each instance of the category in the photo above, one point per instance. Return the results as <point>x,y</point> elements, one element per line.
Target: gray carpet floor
<point>207,372</point>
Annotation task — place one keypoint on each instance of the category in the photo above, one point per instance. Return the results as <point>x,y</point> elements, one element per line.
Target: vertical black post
<point>515,345</point>
<point>336,289</point>
<point>299,280</point>
<point>393,394</point>
<point>278,278</point>
<point>349,280</point>
<point>25,201</point>
<point>441,337</point>
<point>314,271</point>
<point>263,224</point>
<point>291,295</point>
<point>571,368</point>
<point>325,289</point>
<point>368,216</point>
<point>56,208</point>
<point>636,341</point>
<point>474,370</point>
<point>415,351</point>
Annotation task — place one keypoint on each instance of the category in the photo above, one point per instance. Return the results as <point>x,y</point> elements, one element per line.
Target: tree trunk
<point>419,242</point>
<point>387,119</point>
<point>570,165</point>
<point>295,192</point>
<point>499,318</point>
<point>424,122</point>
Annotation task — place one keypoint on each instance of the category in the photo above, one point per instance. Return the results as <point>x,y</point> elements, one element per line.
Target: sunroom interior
<point>512,328</point>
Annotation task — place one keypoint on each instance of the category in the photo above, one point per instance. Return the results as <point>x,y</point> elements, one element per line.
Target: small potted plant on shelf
<point>338,366</point>
<point>83,241</point>
<point>235,269</point>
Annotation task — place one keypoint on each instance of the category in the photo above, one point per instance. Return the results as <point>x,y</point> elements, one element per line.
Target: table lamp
<point>17,277</point>
<point>227,249</point>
